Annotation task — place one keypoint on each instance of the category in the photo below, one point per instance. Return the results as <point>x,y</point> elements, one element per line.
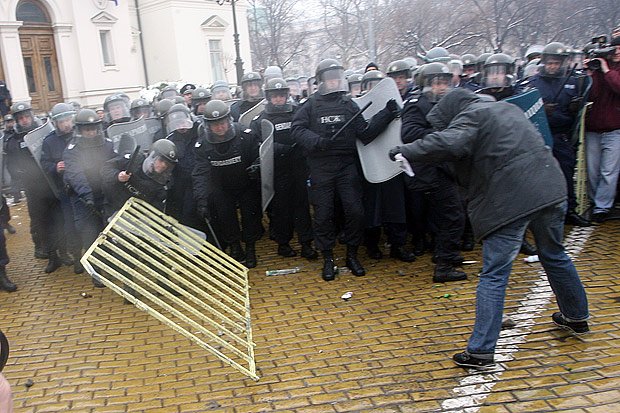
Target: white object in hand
<point>404,164</point>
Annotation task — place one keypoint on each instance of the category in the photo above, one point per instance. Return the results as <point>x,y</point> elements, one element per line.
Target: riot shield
<point>246,117</point>
<point>266,163</point>
<point>137,129</point>
<point>532,105</point>
<point>34,142</point>
<point>376,164</point>
<point>155,128</point>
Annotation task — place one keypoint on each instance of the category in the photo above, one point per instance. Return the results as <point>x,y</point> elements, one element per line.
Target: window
<point>32,86</point>
<point>106,47</point>
<point>217,64</point>
<point>31,11</point>
<point>49,73</point>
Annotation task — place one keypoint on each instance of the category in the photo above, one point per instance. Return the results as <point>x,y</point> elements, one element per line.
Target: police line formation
<point>198,161</point>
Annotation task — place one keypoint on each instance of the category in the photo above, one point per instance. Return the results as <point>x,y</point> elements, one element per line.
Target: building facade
<point>84,50</point>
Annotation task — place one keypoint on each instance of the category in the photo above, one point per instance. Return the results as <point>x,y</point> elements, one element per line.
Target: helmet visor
<point>554,65</point>
<point>116,110</point>
<point>331,81</point>
<point>178,120</point>
<point>437,86</point>
<point>157,168</point>
<point>496,76</point>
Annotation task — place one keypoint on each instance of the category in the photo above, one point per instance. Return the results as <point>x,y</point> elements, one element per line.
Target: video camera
<point>598,48</point>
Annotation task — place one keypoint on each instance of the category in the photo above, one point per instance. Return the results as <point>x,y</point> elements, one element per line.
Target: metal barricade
<point>173,274</point>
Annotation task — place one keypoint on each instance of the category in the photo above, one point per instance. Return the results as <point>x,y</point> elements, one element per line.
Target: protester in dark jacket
<point>513,181</point>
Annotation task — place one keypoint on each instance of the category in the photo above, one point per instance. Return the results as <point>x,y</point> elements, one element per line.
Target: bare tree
<point>275,37</point>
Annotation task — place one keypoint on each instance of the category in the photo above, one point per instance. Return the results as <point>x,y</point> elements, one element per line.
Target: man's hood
<point>451,105</point>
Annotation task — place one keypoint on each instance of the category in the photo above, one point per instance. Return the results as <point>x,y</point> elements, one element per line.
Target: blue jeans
<point>603,159</point>
<point>499,250</point>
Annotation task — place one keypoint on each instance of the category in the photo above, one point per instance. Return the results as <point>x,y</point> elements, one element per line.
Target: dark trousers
<point>4,256</point>
<point>396,234</point>
<point>446,218</point>
<point>87,222</point>
<point>566,155</point>
<point>248,200</point>
<point>289,208</point>
<point>45,218</point>
<point>71,235</point>
<point>331,178</point>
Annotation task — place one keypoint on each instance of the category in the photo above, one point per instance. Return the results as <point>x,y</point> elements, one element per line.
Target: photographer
<point>603,130</point>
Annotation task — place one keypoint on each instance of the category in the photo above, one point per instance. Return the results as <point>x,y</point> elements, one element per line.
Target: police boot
<point>418,247</point>
<point>329,268</point>
<point>373,252</point>
<point>5,283</point>
<point>401,253</point>
<point>285,250</point>
<point>77,265</point>
<point>353,263</point>
<point>65,258</point>
<point>54,262</point>
<point>308,252</point>
<point>40,253</point>
<point>573,218</point>
<point>527,248</point>
<point>446,273</point>
<point>236,251</point>
<point>250,255</point>
<point>468,242</point>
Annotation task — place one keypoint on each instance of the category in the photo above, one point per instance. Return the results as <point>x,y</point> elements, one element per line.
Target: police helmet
<point>272,72</point>
<point>498,71</point>
<point>371,78</point>
<point>275,87</point>
<point>200,94</point>
<point>139,103</point>
<point>332,70</point>
<point>162,107</point>
<point>166,149</point>
<point>437,54</point>
<point>557,53</point>
<point>216,110</point>
<point>20,107</point>
<point>399,67</point>
<point>468,60</point>
<point>480,61</point>
<point>87,117</point>
<point>178,117</point>
<point>534,51</point>
<point>435,80</point>
<point>168,92</point>
<point>8,117</point>
<point>23,110</point>
<point>250,77</point>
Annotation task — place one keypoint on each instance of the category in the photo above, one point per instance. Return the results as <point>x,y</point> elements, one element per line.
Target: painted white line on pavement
<point>474,389</point>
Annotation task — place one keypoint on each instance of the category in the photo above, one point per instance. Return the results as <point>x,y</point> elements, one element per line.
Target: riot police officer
<point>40,197</point>
<point>84,157</point>
<point>559,94</point>
<point>53,164</point>
<point>400,71</point>
<point>370,79</point>
<point>226,177</point>
<point>498,76</point>
<point>200,97</point>
<point>432,183</point>
<point>180,203</point>
<point>333,160</point>
<point>289,209</point>
<point>147,180</point>
<point>140,108</point>
<point>355,84</point>
<point>116,108</point>
<point>251,84</point>
<point>220,90</point>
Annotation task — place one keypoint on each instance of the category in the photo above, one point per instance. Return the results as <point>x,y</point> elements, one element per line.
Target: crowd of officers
<point>204,166</point>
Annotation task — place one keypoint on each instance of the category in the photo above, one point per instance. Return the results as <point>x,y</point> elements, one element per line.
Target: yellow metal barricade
<point>581,171</point>
<point>173,274</point>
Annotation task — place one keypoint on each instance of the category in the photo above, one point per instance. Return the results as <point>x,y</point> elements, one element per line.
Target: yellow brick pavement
<point>387,349</point>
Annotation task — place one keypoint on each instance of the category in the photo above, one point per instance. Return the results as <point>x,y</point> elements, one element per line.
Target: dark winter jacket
<point>604,116</point>
<point>139,185</point>
<point>498,155</point>
<point>83,163</point>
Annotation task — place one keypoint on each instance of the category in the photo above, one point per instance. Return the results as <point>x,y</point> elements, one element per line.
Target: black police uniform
<point>433,185</point>
<point>555,91</point>
<point>41,200</point>
<point>289,209</point>
<point>239,107</point>
<point>139,184</point>
<point>180,202</point>
<point>83,162</point>
<point>221,184</point>
<point>333,163</point>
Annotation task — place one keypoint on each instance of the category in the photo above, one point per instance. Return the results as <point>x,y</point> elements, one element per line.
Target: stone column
<point>12,61</point>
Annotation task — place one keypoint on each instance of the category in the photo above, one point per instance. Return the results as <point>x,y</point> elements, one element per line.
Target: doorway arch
<point>36,37</point>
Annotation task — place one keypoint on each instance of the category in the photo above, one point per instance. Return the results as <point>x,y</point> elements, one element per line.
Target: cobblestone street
<point>386,349</point>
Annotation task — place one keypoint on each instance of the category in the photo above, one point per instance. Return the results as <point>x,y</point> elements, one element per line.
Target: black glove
<point>204,213</point>
<point>324,143</point>
<point>253,171</point>
<point>393,107</point>
<point>550,108</point>
<point>393,152</point>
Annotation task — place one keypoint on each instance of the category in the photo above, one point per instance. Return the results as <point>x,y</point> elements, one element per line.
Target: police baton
<point>217,242</point>
<point>359,112</point>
